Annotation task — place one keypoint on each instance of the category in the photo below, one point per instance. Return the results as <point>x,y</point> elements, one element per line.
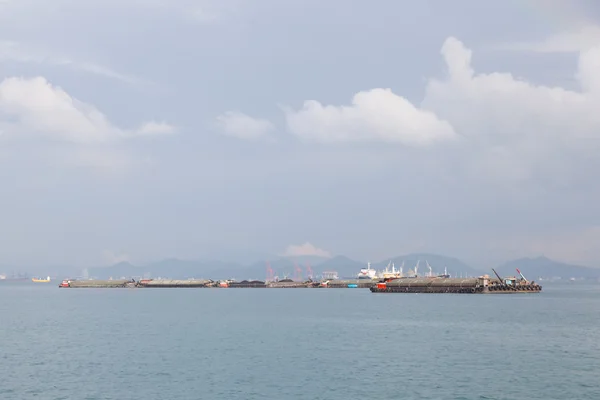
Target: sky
<point>140,130</point>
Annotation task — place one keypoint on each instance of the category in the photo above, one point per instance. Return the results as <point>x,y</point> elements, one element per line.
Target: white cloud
<point>516,128</point>
<point>243,126</point>
<point>34,106</point>
<point>573,41</point>
<point>305,249</point>
<point>510,130</point>
<point>156,128</point>
<point>377,114</point>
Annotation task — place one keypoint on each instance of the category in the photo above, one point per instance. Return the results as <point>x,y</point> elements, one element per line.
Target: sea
<point>334,344</point>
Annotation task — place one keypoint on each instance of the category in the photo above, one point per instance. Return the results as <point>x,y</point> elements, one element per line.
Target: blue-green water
<point>122,344</point>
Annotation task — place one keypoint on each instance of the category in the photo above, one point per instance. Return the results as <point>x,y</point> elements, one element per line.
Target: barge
<point>245,284</point>
<point>483,285</point>
<point>118,283</point>
<point>362,283</point>
<point>174,283</point>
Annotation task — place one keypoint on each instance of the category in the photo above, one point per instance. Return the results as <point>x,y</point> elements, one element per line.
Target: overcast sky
<point>144,129</point>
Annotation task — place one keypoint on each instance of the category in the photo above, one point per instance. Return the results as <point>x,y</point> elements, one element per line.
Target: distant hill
<point>344,266</point>
<point>282,267</point>
<point>303,260</point>
<point>169,268</point>
<point>39,270</point>
<point>233,256</point>
<point>454,266</point>
<point>534,268</point>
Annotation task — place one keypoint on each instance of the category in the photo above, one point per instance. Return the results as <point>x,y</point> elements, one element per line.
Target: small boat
<point>40,280</point>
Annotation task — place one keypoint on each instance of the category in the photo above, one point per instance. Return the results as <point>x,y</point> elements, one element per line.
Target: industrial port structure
<point>394,283</point>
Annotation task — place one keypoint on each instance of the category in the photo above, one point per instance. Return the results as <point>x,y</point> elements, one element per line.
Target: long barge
<point>350,283</point>
<point>480,285</point>
<point>174,283</point>
<point>118,283</point>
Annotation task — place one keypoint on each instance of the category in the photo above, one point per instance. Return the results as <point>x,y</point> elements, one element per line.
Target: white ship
<point>393,273</point>
<point>368,273</point>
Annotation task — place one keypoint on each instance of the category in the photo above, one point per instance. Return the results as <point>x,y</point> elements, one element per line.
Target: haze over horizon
<point>142,130</point>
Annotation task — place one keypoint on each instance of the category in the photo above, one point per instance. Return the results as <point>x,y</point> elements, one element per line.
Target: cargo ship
<point>367,273</point>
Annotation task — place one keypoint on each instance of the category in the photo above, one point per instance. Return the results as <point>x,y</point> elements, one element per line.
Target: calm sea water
<point>122,344</point>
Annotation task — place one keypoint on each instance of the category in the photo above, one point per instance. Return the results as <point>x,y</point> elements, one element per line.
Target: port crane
<point>309,272</point>
<point>297,272</point>
<point>270,273</point>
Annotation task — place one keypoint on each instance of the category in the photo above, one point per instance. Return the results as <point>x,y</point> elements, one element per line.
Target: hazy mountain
<point>304,260</point>
<point>240,257</point>
<point>282,267</point>
<point>534,268</point>
<point>40,270</point>
<point>344,266</point>
<point>117,270</point>
<point>169,268</point>
<point>454,266</point>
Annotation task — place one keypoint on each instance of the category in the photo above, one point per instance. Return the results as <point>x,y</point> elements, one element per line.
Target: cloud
<point>35,107</point>
<point>156,128</point>
<point>64,131</point>
<point>572,41</point>
<point>377,114</point>
<point>305,249</point>
<point>514,128</point>
<point>509,130</point>
<point>243,126</point>
<point>13,51</point>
